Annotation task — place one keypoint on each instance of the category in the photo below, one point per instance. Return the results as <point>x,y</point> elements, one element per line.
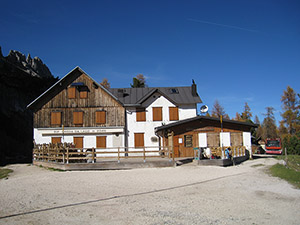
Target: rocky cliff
<point>22,79</point>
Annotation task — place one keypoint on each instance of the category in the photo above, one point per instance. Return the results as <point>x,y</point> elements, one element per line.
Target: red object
<point>273,146</point>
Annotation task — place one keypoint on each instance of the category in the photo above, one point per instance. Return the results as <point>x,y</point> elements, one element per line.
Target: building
<point>205,132</point>
<point>78,110</point>
<point>147,108</point>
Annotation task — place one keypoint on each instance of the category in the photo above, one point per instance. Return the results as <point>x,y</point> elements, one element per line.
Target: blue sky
<point>237,51</point>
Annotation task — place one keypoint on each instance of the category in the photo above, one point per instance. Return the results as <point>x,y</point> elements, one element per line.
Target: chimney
<point>194,89</point>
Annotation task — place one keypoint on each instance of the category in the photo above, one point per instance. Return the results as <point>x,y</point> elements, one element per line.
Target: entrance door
<point>176,146</point>
<point>78,141</point>
<point>138,140</point>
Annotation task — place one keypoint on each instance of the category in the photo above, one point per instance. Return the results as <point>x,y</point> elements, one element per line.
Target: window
<point>157,113</point>
<point>78,118</point>
<point>139,140</point>
<point>78,142</point>
<point>100,117</point>
<point>55,118</point>
<point>173,91</point>
<point>101,141</point>
<point>83,94</point>
<point>140,115</point>
<point>71,92</point>
<point>173,113</point>
<point>188,141</point>
<point>55,140</point>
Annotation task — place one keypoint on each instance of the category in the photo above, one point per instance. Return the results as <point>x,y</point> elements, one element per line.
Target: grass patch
<point>291,173</point>
<point>293,161</point>
<point>257,165</point>
<point>54,169</point>
<point>4,173</point>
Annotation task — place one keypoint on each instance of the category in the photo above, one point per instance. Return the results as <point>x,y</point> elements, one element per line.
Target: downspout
<point>126,133</point>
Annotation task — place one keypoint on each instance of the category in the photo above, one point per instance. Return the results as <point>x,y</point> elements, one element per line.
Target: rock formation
<point>34,67</point>
<point>21,81</point>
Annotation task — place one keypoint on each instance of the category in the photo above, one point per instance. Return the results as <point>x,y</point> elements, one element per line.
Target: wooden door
<point>176,146</point>
<point>78,142</point>
<point>139,140</point>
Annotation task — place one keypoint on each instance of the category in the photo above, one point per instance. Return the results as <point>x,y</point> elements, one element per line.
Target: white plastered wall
<point>89,140</point>
<point>147,127</point>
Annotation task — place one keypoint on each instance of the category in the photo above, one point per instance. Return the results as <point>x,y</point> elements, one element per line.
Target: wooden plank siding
<point>96,100</point>
<point>213,140</point>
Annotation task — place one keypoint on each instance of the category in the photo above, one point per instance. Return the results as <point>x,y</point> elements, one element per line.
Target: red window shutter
<point>101,117</point>
<point>55,118</point>
<point>55,140</point>
<point>141,116</point>
<point>71,92</point>
<point>78,142</point>
<point>78,118</point>
<point>101,141</point>
<point>157,113</point>
<point>173,113</point>
<point>83,94</point>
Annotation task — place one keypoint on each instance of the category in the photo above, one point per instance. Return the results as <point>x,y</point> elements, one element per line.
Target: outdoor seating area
<point>219,156</point>
<point>65,156</point>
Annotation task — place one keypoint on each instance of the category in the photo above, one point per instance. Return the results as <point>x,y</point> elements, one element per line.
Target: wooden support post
<point>63,153</point>
<point>67,155</point>
<point>93,155</point>
<point>48,149</point>
<point>118,154</point>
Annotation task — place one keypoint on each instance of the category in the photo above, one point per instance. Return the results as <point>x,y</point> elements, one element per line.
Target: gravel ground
<point>189,194</point>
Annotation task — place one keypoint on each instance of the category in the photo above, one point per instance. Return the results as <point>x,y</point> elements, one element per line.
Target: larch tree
<point>246,115</point>
<point>218,111</point>
<point>238,117</point>
<point>290,106</point>
<point>105,83</point>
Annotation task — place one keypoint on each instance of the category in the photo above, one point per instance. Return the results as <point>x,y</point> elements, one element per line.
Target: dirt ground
<point>189,194</point>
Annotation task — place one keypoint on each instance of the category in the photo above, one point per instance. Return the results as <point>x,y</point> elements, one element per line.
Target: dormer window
<point>173,91</point>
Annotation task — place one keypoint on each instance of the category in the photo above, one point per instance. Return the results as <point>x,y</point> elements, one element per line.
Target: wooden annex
<point>207,132</point>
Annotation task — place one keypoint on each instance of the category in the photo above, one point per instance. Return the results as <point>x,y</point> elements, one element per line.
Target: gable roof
<point>200,121</point>
<point>136,96</point>
<point>59,86</point>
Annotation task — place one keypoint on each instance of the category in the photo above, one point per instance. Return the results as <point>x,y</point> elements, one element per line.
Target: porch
<point>67,157</point>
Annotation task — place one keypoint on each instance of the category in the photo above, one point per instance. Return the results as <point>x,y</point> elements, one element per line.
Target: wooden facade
<point>83,104</point>
<point>185,134</point>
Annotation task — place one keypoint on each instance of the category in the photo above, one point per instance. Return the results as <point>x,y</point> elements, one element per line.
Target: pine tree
<point>259,130</point>
<point>269,129</point>
<point>139,81</point>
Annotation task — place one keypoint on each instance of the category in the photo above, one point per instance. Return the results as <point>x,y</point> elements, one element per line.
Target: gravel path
<point>188,194</point>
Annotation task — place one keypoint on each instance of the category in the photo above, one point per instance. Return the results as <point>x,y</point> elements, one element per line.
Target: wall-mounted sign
<point>75,131</point>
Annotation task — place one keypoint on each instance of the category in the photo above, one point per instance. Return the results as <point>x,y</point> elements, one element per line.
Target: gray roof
<point>136,96</point>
